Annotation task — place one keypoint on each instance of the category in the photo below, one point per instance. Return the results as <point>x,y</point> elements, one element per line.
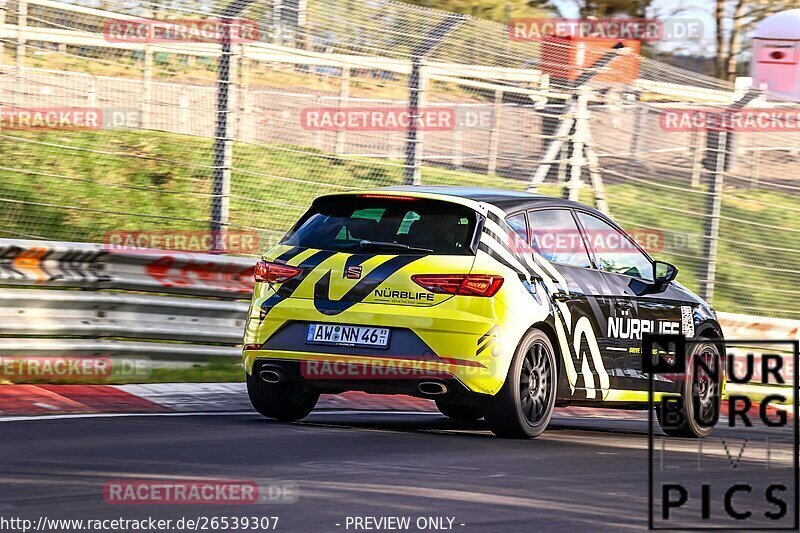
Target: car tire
<point>281,401</point>
<point>459,411</point>
<point>708,394</point>
<point>523,407</point>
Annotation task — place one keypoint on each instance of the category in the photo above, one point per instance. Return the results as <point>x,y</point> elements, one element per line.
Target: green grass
<point>115,180</point>
<point>81,185</point>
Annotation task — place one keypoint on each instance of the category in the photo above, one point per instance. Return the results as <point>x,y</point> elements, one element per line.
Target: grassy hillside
<point>79,186</point>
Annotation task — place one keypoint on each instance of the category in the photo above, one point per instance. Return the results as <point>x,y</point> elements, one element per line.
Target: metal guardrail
<point>84,299</point>
<point>63,298</point>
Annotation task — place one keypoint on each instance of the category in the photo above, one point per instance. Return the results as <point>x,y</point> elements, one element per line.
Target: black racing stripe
<point>496,238</point>
<point>288,288</point>
<point>487,334</point>
<point>496,219</point>
<point>289,254</point>
<point>497,257</point>
<point>355,260</point>
<point>492,235</point>
<point>483,348</point>
<point>360,290</point>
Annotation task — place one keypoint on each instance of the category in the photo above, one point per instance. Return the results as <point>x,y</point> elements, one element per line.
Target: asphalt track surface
<point>582,474</point>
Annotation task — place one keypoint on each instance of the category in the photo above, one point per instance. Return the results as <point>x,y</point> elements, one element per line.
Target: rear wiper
<point>395,245</point>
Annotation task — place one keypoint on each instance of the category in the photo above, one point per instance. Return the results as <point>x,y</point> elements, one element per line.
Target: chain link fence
<point>318,99</point>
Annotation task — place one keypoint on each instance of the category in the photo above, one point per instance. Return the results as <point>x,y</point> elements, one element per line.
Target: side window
<point>517,223</point>
<point>614,250</point>
<point>555,235</point>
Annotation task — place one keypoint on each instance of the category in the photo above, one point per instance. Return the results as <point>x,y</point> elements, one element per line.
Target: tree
<point>496,10</point>
<point>734,20</point>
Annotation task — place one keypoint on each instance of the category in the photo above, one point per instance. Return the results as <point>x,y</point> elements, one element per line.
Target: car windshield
<point>397,225</point>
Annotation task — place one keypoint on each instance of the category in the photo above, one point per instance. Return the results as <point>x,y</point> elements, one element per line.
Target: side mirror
<point>664,272</point>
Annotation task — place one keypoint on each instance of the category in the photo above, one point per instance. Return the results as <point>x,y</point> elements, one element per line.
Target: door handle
<point>562,296</point>
<point>625,306</point>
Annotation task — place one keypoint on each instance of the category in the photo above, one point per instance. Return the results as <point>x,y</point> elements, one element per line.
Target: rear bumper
<point>464,342</point>
<point>358,372</point>
<point>348,378</point>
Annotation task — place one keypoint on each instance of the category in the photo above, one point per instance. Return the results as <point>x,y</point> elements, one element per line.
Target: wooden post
<point>344,96</point>
<point>2,23</point>
<point>578,161</point>
<point>91,93</point>
<point>245,117</point>
<point>458,147</point>
<point>317,135</point>
<point>494,136</point>
<point>183,118</point>
<point>22,22</point>
<point>147,86</point>
<point>697,158</point>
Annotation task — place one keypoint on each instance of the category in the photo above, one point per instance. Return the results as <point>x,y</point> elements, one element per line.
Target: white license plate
<point>347,335</point>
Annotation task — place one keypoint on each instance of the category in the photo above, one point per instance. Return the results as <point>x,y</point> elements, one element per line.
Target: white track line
<point>210,413</point>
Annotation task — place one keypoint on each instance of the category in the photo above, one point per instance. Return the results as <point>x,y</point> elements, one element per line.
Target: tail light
<point>460,284</point>
<point>267,272</point>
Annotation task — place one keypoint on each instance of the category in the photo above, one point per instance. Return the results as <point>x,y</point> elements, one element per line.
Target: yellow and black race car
<point>496,304</point>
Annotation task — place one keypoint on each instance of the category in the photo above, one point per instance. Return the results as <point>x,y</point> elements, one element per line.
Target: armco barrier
<point>160,304</point>
<point>746,327</point>
<point>157,303</point>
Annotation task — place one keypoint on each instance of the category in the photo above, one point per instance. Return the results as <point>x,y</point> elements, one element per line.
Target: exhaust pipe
<point>432,388</point>
<point>270,376</point>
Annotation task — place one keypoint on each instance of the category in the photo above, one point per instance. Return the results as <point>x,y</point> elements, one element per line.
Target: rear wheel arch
<point>549,330</point>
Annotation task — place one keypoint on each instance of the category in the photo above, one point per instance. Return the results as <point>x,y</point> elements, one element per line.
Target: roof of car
<point>506,200</point>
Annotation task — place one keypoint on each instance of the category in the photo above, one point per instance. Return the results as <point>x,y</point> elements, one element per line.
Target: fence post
<point>416,88</point>
<point>147,81</point>
<point>91,93</point>
<point>316,139</point>
<point>223,144</point>
<point>22,22</point>
<point>413,157</point>
<point>2,23</point>
<point>713,209</point>
<point>494,138</point>
<point>183,110</point>
<point>458,146</point>
<point>243,115</point>
<point>344,96</point>
<point>697,158</point>
<point>579,140</point>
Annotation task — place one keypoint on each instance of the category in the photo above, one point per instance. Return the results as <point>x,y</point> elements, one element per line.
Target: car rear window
<point>385,224</point>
